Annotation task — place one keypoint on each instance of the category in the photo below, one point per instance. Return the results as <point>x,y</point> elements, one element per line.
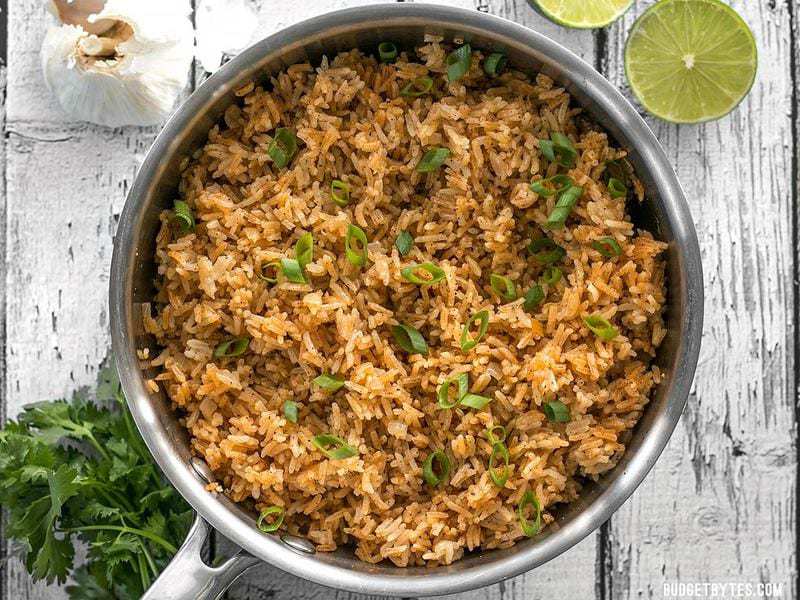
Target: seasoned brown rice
<point>472,217</point>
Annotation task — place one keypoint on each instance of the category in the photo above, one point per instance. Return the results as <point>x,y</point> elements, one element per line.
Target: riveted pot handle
<point>187,577</point>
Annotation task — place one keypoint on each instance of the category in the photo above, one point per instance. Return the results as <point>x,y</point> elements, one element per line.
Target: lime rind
<point>582,14</point>
<point>742,71</point>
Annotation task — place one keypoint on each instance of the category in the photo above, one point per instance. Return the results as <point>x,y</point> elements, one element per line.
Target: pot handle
<point>187,577</point>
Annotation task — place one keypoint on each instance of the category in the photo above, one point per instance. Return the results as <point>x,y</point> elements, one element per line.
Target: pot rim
<point>375,579</point>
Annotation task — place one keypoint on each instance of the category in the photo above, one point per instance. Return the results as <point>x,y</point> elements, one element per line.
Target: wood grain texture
<point>720,503</point>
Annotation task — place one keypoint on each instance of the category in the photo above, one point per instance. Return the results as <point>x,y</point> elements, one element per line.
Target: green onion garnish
<point>432,160</point>
<point>429,468</point>
<point>551,275</point>
<point>404,243</point>
<point>619,169</point>
<point>329,383</point>
<point>556,411</point>
<point>410,339</point>
<point>355,246</point>
<point>616,188</point>
<point>528,528</point>
<point>387,52</point>
<point>410,273</point>
<point>418,87</point>
<point>503,287</point>
<point>545,251</point>
<point>340,192</point>
<point>304,250</point>
<point>533,298</point>
<point>270,519</point>
<point>292,270</point>
<point>184,216</point>
<point>563,207</point>
<point>333,446</point>
<point>494,64</point>
<point>559,149</point>
<point>275,266</point>
<point>499,450</point>
<point>443,393</point>
<point>607,246</point>
<point>458,62</point>
<point>475,401</point>
<point>601,327</point>
<point>231,348</point>
<point>283,147</point>
<point>500,436</point>
<point>467,341</point>
<point>290,411</point>
<point>561,183</point>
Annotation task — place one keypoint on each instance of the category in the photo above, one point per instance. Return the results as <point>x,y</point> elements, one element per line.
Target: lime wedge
<point>582,14</point>
<point>690,61</point>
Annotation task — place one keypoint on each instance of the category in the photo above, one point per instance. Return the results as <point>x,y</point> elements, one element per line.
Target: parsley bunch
<point>80,469</point>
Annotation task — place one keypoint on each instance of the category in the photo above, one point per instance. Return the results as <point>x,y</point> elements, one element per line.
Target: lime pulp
<point>583,14</point>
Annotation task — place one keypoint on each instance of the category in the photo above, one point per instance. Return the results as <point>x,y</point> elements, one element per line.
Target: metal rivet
<point>202,469</point>
<point>298,544</point>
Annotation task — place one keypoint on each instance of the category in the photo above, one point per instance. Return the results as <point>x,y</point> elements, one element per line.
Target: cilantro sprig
<point>79,469</point>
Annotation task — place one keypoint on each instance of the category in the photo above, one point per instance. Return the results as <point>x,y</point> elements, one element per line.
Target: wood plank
<point>720,504</point>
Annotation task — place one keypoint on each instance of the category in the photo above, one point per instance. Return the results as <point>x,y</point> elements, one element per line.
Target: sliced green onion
<point>387,52</point>
<point>616,188</point>
<point>619,169</point>
<point>429,468</point>
<point>467,341</point>
<point>184,216</point>
<point>498,437</point>
<point>475,401</point>
<point>333,446</point>
<point>499,450</point>
<point>443,393</point>
<point>559,149</point>
<point>563,207</point>
<point>530,528</point>
<point>458,63</point>
<point>304,250</point>
<point>340,192</point>
<point>601,327</point>
<point>419,87</point>
<point>290,411</point>
<point>503,287</point>
<point>231,348</point>
<point>283,147</point>
<point>274,265</point>
<point>607,246</point>
<point>561,183</point>
<point>533,298</point>
<point>556,411</point>
<point>404,243</point>
<point>410,339</point>
<point>494,64</point>
<point>432,160</point>
<point>410,273</point>
<point>545,251</point>
<point>355,245</point>
<point>551,275</point>
<point>292,270</point>
<point>329,383</point>
<point>275,515</point>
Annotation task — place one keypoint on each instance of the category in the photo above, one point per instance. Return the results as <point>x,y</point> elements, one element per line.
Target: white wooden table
<point>721,505</point>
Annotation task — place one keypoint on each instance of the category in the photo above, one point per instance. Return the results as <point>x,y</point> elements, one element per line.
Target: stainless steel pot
<point>665,213</point>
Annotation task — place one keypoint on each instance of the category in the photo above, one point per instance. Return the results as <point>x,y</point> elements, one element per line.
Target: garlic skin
<point>130,71</point>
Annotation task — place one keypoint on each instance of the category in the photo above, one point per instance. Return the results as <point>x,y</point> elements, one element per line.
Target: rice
<point>472,217</point>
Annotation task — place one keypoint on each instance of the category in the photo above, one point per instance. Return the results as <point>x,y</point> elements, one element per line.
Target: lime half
<point>690,61</point>
<point>583,14</point>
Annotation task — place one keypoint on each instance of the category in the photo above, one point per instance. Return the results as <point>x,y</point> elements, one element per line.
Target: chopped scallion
<point>432,160</point>
<point>183,216</point>
<point>410,339</point>
<point>601,327</point>
<point>499,477</point>
<point>533,298</point>
<point>529,528</point>
<point>436,461</point>
<point>616,188</point>
<point>411,273</point>
<point>545,251</point>
<point>496,434</point>
<point>304,250</point>
<point>387,52</point>
<point>404,243</point>
<point>467,341</point>
<point>355,246</point>
<point>270,519</point>
<point>329,383</point>
<point>503,287</point>
<point>564,207</point>
<point>340,192</point>
<point>559,149</point>
<point>334,447</point>
<point>443,393</point>
<point>475,401</point>
<point>560,182</point>
<point>556,411</point>
<point>458,62</point>
<point>290,410</point>
<point>551,275</point>
<point>419,87</point>
<point>494,64</point>
<point>283,147</point>
<point>292,270</point>
<point>274,265</point>
<point>231,348</point>
<point>607,246</point>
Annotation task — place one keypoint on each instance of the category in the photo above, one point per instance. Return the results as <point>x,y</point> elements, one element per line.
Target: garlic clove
<point>130,71</point>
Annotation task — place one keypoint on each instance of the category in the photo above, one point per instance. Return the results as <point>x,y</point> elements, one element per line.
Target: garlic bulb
<point>118,62</point>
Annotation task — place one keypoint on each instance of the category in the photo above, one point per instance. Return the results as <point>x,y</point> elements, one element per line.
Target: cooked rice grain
<point>472,217</point>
